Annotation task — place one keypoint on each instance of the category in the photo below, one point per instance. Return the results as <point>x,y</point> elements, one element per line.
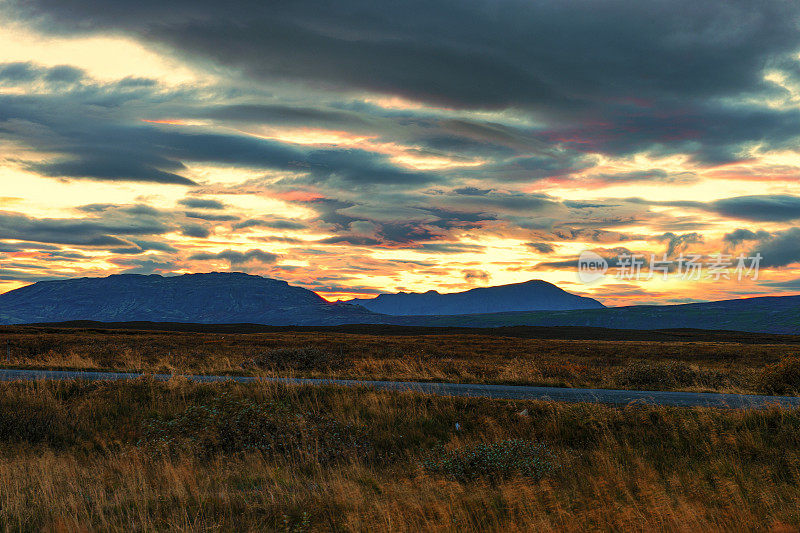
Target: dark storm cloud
<point>791,285</point>
<point>86,232</point>
<point>105,147</point>
<point>354,240</point>
<point>617,77</point>
<point>537,167</point>
<point>778,208</point>
<point>476,275</point>
<point>500,201</point>
<point>6,247</point>
<point>111,167</point>
<point>780,249</point>
<point>678,243</point>
<point>740,235</point>
<point>202,203</point>
<point>64,74</point>
<point>195,230</point>
<point>467,53</point>
<point>564,80</point>
<point>152,245</point>
<point>764,208</point>
<point>237,258</point>
<point>611,255</point>
<point>144,266</point>
<point>425,130</point>
<point>710,132</point>
<point>7,274</point>
<point>213,217</point>
<point>472,191</point>
<point>450,248</point>
<point>654,175</point>
<point>281,224</point>
<point>95,208</point>
<point>541,247</point>
<point>22,72</point>
<point>289,115</point>
<point>19,72</point>
<point>393,219</point>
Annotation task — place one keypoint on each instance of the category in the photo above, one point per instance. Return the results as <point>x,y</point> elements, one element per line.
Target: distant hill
<point>768,314</point>
<point>236,298</point>
<point>535,295</point>
<point>215,298</point>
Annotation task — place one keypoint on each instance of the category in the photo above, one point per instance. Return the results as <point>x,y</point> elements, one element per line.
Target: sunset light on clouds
<point>331,146</point>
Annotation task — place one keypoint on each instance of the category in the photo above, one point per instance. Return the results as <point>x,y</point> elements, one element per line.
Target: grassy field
<point>767,366</point>
<point>146,455</point>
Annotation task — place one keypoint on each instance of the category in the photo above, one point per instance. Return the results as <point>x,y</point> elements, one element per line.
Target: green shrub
<point>780,377</point>
<point>230,425</point>
<point>495,461</point>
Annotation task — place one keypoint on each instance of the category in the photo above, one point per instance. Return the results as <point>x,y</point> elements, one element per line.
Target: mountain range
<point>534,295</point>
<point>214,298</point>
<point>766,314</point>
<point>237,298</point>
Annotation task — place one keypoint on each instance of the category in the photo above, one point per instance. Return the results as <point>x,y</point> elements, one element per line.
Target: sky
<point>358,147</point>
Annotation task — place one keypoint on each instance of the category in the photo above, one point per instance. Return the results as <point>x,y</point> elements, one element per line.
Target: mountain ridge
<point>760,314</point>
<point>239,298</point>
<point>532,295</point>
<point>214,297</point>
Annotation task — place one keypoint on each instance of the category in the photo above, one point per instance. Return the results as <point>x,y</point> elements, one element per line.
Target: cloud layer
<point>365,146</point>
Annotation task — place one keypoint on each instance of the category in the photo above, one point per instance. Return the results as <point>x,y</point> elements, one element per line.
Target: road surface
<point>504,392</point>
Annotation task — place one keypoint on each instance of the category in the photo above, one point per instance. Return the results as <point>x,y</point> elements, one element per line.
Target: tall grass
<point>725,367</point>
<point>79,456</point>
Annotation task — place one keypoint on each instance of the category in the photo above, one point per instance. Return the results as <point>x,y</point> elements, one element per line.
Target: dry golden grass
<point>689,365</point>
<point>76,457</point>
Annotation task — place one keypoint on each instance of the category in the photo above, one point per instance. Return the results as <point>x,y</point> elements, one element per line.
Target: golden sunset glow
<point>129,148</point>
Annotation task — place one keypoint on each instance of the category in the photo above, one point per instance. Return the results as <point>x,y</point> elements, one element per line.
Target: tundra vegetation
<point>177,455</point>
<point>770,366</point>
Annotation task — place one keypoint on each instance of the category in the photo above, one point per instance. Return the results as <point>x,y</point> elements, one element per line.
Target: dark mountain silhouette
<point>535,295</point>
<point>236,298</point>
<point>765,314</point>
<point>215,298</point>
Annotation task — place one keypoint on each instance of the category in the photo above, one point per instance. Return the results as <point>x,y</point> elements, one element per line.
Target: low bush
<point>656,375</point>
<point>780,377</point>
<point>303,358</point>
<point>228,425</point>
<point>495,461</point>
<point>33,423</point>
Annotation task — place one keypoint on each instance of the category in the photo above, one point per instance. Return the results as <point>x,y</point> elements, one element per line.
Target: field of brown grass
<point>744,367</point>
<point>144,455</point>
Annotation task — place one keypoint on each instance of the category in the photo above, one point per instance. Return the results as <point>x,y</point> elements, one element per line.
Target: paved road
<point>506,392</point>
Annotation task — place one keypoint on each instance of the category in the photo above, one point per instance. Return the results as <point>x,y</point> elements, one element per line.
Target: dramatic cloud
<point>766,208</point>
<point>541,247</point>
<point>237,258</point>
<point>476,276</point>
<point>548,55</point>
<point>780,249</point>
<point>678,243</point>
<point>273,224</point>
<point>741,235</point>
<point>84,232</point>
<point>378,146</point>
<point>201,203</point>
<point>760,208</point>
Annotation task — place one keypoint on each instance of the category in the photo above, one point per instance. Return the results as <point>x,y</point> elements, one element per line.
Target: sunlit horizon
<point>356,160</point>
